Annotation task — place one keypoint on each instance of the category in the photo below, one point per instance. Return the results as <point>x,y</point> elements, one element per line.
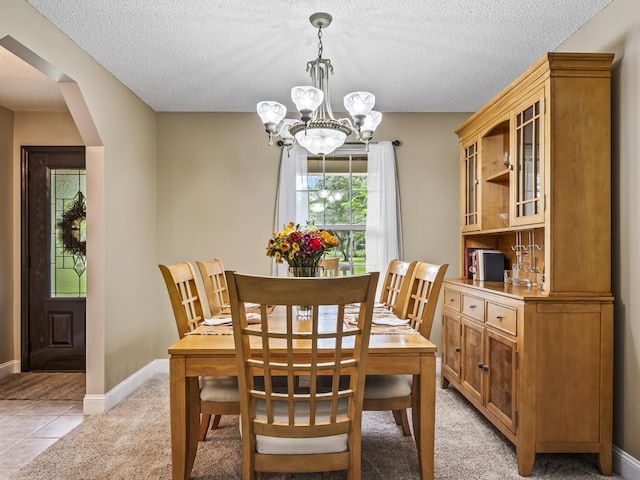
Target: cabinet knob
<point>457,349</point>
<point>499,317</point>
<point>485,368</point>
<point>480,365</point>
<point>450,299</point>
<point>472,306</point>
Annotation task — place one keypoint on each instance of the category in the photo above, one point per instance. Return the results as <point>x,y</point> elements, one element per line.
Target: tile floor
<point>29,427</point>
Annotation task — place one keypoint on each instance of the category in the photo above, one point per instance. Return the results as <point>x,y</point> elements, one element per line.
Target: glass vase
<point>308,271</point>
<point>304,311</point>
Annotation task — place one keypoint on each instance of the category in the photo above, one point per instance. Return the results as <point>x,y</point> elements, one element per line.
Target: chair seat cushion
<point>219,389</point>
<point>301,446</point>
<point>387,386</point>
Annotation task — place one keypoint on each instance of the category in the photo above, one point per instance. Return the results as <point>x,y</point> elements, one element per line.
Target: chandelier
<point>317,130</point>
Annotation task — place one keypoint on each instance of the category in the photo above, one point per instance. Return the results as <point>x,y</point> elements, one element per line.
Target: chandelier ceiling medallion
<point>317,130</point>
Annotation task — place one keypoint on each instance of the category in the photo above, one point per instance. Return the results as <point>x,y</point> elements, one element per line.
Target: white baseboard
<point>97,404</point>
<point>625,465</point>
<point>7,368</point>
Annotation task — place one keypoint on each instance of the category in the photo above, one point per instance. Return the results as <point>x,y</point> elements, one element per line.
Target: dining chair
<point>393,392</point>
<point>330,266</point>
<point>313,430</point>
<point>394,288</point>
<point>215,284</point>
<point>218,395</point>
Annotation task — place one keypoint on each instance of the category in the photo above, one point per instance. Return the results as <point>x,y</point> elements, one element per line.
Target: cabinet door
<point>527,186</point>
<point>470,195</point>
<point>472,359</point>
<point>501,377</point>
<point>451,345</point>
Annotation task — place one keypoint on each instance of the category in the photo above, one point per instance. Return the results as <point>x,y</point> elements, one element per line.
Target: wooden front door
<point>53,259</point>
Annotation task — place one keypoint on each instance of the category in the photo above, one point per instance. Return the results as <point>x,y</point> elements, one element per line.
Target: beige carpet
<point>132,441</point>
<point>43,386</point>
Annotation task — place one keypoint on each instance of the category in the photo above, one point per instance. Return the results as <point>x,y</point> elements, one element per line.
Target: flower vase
<point>304,311</point>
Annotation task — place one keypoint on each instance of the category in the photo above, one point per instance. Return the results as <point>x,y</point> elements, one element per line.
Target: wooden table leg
<point>424,415</point>
<point>185,418</point>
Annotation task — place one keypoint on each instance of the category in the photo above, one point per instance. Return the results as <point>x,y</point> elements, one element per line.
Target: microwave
<point>489,265</point>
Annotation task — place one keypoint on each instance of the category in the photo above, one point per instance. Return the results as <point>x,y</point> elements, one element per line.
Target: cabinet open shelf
<point>499,177</point>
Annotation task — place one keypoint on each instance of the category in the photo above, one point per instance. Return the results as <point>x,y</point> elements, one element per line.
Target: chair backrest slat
<point>330,266</point>
<point>422,296</point>
<point>184,295</point>
<point>215,284</point>
<point>395,286</point>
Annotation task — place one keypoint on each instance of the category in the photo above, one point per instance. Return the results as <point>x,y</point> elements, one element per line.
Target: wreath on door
<point>70,226</point>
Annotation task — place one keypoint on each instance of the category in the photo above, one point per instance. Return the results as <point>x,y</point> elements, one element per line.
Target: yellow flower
<point>329,239</point>
<point>295,247</point>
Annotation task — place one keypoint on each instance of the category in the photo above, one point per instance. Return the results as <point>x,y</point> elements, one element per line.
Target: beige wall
<point>121,208</point>
<point>6,261</point>
<point>217,181</point>
<point>617,29</point>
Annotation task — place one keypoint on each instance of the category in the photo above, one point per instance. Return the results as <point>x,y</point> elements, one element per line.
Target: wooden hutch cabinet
<point>535,354</point>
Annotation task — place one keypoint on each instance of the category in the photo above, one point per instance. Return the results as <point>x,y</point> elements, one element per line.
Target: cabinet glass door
<point>528,163</point>
<point>470,214</point>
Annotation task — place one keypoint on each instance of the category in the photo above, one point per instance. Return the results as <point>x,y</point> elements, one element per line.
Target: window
<point>336,190</point>
<point>352,192</point>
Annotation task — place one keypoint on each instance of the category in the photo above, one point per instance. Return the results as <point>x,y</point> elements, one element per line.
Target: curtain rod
<point>395,143</point>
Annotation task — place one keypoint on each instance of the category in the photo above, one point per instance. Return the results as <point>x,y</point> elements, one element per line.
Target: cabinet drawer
<point>452,299</point>
<point>502,317</point>
<point>473,307</point>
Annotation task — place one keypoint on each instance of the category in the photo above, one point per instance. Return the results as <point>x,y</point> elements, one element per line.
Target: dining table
<point>210,351</point>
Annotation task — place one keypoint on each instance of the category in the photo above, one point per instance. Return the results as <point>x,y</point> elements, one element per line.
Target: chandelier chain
<point>320,42</point>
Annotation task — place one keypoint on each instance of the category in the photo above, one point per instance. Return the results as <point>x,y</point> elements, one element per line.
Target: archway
<point>95,330</point>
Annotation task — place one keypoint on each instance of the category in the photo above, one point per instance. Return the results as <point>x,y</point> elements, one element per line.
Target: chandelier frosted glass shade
<point>271,112</point>
<point>359,104</point>
<point>320,137</point>
<point>370,123</point>
<point>307,100</point>
<point>317,130</point>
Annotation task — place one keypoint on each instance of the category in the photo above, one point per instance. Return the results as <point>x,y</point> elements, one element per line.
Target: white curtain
<point>292,202</point>
<point>384,223</point>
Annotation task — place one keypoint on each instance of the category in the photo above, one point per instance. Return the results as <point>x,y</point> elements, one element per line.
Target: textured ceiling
<point>226,55</point>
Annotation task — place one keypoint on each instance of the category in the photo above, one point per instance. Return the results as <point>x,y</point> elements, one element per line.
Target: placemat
<point>375,329</point>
